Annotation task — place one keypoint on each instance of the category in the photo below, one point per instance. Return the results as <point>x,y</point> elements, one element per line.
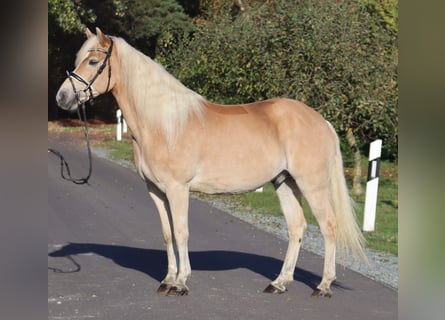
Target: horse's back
<point>282,121</point>
<point>274,109</point>
<point>307,139</point>
<point>244,146</point>
<point>289,118</point>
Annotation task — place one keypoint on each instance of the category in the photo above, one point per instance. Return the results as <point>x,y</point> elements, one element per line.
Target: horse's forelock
<point>83,51</point>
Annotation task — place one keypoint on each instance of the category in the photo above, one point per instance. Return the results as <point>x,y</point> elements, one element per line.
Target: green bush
<point>333,55</point>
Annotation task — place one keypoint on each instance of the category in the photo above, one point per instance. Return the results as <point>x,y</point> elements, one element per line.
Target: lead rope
<point>64,165</point>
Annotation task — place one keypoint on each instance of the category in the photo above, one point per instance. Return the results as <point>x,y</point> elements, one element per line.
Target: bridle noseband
<point>89,85</point>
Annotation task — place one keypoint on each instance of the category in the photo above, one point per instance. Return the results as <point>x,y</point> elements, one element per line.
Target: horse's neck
<point>163,108</point>
<point>129,112</point>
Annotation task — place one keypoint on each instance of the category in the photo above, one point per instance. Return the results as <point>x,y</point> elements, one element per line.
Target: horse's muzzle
<point>66,99</point>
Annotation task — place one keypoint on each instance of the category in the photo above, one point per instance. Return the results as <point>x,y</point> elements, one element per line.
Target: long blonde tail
<point>349,236</point>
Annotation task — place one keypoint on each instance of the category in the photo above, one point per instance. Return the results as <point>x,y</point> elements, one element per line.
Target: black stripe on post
<point>373,169</point>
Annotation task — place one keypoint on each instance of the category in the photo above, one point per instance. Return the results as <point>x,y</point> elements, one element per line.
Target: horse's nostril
<point>61,97</point>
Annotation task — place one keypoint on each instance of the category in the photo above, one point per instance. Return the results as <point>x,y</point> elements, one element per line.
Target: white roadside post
<point>119,125</point>
<point>372,185</point>
<point>124,125</point>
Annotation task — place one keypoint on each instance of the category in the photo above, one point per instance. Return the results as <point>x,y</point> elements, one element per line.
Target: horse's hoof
<point>163,288</point>
<point>272,289</point>
<point>322,293</point>
<point>177,292</point>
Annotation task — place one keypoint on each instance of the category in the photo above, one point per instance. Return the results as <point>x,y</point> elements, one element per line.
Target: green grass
<point>384,238</point>
<point>118,150</point>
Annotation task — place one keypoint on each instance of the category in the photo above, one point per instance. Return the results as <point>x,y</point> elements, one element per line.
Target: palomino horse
<point>183,143</point>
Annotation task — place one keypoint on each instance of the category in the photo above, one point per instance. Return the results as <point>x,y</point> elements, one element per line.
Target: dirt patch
<point>72,130</point>
<point>63,123</point>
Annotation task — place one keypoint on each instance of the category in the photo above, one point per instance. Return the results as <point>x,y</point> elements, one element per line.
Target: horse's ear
<point>103,39</point>
<point>88,33</point>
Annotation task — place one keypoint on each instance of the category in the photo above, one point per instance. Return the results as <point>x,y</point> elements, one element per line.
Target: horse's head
<point>92,75</point>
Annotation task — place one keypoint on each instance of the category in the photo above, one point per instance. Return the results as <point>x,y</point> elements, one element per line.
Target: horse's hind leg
<point>290,201</point>
<point>321,207</point>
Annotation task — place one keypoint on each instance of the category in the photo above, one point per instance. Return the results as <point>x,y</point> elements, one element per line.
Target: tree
<point>146,24</point>
<point>386,10</point>
<point>333,55</point>
<point>66,22</point>
<point>68,16</point>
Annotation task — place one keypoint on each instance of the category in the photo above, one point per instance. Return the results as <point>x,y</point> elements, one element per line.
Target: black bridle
<point>88,90</point>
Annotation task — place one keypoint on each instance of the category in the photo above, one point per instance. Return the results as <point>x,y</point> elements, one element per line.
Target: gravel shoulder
<point>383,267</point>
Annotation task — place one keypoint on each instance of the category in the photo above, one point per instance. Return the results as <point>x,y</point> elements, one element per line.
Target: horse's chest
<point>152,166</point>
<point>142,165</point>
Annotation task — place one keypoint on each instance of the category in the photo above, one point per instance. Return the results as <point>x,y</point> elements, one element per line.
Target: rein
<point>88,88</point>
<point>64,165</point>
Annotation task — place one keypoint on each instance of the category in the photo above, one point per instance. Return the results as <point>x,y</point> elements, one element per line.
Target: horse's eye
<point>93,62</point>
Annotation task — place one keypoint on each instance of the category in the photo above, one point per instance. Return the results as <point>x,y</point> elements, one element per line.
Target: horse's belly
<point>229,167</point>
<point>233,181</point>
<point>214,187</point>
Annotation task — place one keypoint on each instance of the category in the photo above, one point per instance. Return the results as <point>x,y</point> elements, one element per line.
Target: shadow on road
<point>154,262</point>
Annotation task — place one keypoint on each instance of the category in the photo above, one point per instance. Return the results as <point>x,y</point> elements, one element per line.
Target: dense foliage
<point>339,57</point>
<point>331,55</point>
<point>144,24</point>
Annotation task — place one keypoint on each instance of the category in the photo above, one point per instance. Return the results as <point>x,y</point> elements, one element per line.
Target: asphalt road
<point>106,258</point>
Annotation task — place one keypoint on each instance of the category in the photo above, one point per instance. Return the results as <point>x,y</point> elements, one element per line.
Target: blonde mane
<point>159,98</point>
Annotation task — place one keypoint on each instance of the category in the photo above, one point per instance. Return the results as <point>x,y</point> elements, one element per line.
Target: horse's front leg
<point>178,198</point>
<point>161,204</point>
